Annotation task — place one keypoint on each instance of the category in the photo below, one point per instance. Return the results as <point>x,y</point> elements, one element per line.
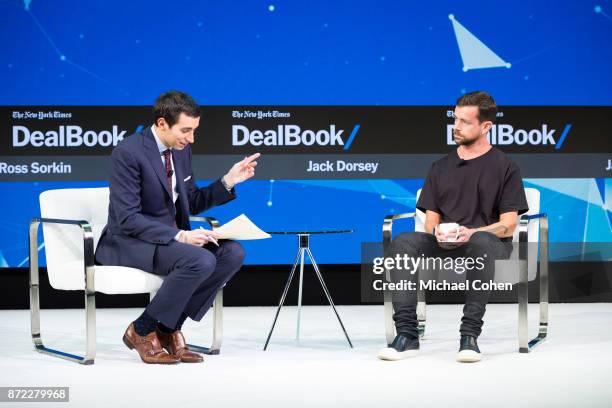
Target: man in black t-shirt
<point>479,188</point>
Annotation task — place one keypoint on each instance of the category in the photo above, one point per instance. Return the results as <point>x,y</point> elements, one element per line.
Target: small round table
<point>304,248</point>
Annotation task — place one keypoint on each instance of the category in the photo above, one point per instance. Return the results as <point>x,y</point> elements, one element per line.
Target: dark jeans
<point>193,275</point>
<point>418,244</point>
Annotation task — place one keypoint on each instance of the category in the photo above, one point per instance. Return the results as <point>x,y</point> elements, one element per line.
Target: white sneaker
<point>401,348</point>
<point>468,356</point>
<point>468,350</point>
<point>391,354</point>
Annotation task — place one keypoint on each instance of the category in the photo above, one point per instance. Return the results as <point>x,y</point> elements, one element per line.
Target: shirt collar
<point>160,145</point>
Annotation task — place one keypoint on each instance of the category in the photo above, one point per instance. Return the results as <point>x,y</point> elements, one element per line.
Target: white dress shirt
<point>162,147</point>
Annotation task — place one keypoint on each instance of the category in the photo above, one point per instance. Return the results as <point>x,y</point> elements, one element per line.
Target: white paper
<point>241,228</point>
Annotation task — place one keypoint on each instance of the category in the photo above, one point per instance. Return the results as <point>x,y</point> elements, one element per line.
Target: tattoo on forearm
<point>499,228</point>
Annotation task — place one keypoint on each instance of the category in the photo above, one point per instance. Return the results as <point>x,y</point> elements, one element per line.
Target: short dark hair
<point>487,109</point>
<point>171,104</point>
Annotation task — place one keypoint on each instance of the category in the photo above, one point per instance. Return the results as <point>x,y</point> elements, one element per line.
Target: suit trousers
<point>193,276</point>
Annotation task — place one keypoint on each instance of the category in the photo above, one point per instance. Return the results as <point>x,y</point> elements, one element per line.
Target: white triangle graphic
<point>474,53</point>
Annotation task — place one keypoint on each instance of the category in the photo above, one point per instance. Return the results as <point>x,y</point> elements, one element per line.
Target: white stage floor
<point>573,367</point>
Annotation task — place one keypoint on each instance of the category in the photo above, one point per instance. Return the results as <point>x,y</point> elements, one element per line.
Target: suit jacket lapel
<point>154,157</point>
<point>180,184</point>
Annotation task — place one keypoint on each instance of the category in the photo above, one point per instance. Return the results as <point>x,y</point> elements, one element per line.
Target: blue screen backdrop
<point>311,53</point>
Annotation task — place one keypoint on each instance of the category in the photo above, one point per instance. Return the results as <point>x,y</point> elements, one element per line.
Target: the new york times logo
<point>41,115</point>
<point>259,114</point>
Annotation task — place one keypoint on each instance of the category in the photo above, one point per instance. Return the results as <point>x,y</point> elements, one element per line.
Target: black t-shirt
<point>474,192</point>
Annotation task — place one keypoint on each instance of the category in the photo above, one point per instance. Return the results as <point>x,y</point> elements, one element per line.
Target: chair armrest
<point>213,222</point>
<point>88,247</point>
<point>542,247</point>
<point>90,292</point>
<point>524,225</point>
<point>86,228</point>
<point>387,228</point>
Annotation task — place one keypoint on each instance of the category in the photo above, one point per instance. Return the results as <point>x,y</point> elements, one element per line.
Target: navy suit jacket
<point>141,213</point>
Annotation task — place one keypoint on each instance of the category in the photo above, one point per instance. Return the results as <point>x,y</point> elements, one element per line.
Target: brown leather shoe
<point>148,347</point>
<point>177,347</point>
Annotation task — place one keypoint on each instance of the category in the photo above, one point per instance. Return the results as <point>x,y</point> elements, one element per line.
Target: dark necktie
<point>168,160</point>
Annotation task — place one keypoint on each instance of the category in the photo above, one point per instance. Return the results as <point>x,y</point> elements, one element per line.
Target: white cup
<point>449,228</point>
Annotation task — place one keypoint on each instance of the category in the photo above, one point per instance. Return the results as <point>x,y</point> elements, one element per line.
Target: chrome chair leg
<point>421,310</point>
<point>90,294</point>
<point>544,282</point>
<point>523,306</point>
<point>215,347</point>
<point>526,345</point>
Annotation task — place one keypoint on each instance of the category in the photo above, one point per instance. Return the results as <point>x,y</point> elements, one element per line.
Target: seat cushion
<point>111,280</point>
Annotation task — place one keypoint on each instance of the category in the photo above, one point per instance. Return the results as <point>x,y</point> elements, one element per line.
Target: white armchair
<point>532,228</point>
<point>73,220</point>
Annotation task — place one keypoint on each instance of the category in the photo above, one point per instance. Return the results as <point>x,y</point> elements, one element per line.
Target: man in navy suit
<point>152,193</point>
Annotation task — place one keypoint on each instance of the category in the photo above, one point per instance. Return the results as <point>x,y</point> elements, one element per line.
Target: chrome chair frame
<point>525,345</point>
<point>215,347</point>
<point>90,294</point>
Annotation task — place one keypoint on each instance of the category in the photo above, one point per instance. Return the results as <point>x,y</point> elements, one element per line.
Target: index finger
<point>251,158</point>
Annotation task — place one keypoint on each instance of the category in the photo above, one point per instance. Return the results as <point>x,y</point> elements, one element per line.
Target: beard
<point>464,141</point>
